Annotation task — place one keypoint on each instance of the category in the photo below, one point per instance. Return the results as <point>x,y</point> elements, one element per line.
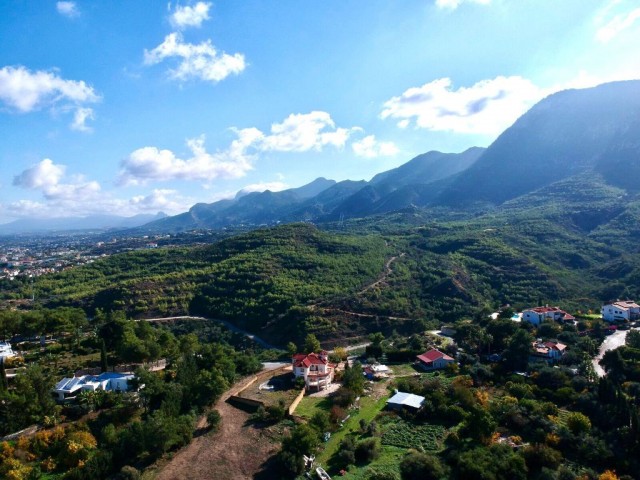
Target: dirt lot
<point>238,451</point>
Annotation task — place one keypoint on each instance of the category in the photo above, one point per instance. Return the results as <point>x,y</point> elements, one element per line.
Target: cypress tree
<point>4,384</point>
<point>103,357</point>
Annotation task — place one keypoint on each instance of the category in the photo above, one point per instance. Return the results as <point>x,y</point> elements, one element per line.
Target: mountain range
<point>584,134</point>
<point>593,132</point>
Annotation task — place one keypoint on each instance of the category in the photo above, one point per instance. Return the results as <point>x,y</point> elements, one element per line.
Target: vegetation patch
<point>405,435</point>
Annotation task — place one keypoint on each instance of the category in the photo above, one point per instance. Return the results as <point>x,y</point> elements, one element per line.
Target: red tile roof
<point>302,360</point>
<point>433,355</point>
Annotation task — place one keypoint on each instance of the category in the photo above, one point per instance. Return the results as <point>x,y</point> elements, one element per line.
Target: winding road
<point>611,342</point>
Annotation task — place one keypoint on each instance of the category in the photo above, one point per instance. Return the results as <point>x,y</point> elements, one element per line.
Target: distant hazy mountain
<point>95,222</point>
<point>253,208</point>
<point>568,133</point>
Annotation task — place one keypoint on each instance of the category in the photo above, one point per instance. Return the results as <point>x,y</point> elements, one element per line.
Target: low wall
<point>294,404</point>
<point>245,403</point>
<point>27,431</point>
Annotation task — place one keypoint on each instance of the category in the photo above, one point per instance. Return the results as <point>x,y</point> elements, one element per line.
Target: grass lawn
<point>404,369</point>
<point>310,405</point>
<point>388,462</point>
<point>369,409</point>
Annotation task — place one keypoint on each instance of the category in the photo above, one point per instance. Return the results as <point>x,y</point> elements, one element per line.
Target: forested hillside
<point>573,243</point>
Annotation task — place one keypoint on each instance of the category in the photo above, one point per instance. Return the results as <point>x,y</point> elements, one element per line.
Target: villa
<point>314,368</point>
<point>537,315</point>
<point>625,310</point>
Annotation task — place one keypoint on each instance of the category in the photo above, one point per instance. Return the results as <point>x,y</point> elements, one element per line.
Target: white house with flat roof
<point>69,388</point>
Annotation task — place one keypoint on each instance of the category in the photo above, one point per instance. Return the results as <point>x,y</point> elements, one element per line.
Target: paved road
<point>611,342</point>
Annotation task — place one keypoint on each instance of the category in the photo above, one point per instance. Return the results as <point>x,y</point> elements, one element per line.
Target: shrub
<point>367,450</point>
<point>214,419</point>
<point>421,466</point>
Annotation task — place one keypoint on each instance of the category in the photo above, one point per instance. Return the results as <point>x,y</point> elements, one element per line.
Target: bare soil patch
<point>238,451</point>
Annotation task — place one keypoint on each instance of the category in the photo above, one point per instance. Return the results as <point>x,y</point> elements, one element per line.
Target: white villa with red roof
<point>537,315</point>
<point>314,368</point>
<point>621,310</point>
<point>434,359</point>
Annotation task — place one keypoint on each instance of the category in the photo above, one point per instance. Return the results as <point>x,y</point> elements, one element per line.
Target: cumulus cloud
<point>453,4</point>
<point>68,9</point>
<point>184,17</point>
<point>25,91</point>
<point>80,118</point>
<point>201,61</point>
<point>47,177</point>
<point>74,195</point>
<point>159,200</point>
<point>151,163</point>
<point>42,175</point>
<point>487,107</point>
<point>614,24</point>
<point>369,147</point>
<point>300,132</point>
<point>297,133</point>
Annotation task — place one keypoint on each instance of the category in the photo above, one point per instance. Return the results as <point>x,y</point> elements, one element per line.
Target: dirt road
<point>237,452</point>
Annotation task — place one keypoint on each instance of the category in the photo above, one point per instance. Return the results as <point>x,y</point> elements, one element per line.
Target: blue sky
<point>128,107</point>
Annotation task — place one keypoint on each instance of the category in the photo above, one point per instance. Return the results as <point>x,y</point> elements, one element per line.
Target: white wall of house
<point>532,317</point>
<point>611,313</point>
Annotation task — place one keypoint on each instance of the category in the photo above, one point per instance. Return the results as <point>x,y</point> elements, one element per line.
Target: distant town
<point>30,256</point>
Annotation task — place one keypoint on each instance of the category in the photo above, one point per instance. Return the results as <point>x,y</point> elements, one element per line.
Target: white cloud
<point>151,163</point>
<point>264,186</point>
<point>201,60</point>
<point>26,91</point>
<point>297,133</point>
<point>164,200</point>
<point>453,4</point>
<point>76,196</point>
<point>616,24</point>
<point>184,17</point>
<point>46,177</point>
<point>369,147</point>
<point>487,107</point>
<point>301,132</point>
<point>42,175</point>
<point>68,9</point>
<point>80,118</point>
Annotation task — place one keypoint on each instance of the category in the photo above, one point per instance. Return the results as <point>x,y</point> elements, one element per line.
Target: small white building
<point>69,388</point>
<point>314,368</point>
<point>621,311</point>
<point>405,401</point>
<point>537,315</point>
<point>6,351</point>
